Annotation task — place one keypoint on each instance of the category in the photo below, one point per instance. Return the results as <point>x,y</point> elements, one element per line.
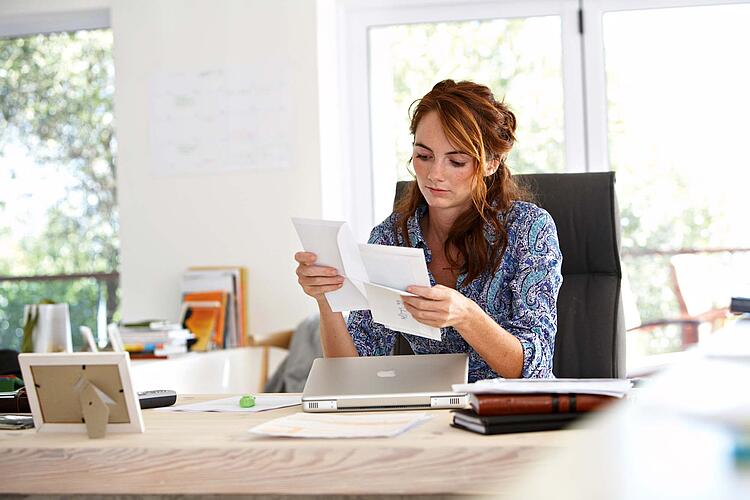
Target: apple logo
<point>387,373</point>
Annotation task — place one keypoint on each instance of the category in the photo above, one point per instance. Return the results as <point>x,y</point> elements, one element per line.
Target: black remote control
<point>157,399</point>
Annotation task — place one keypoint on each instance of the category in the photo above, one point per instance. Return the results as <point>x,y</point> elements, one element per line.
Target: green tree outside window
<point>56,108</point>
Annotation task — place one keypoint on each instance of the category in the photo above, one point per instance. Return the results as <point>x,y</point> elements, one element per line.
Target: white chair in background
<point>88,337</point>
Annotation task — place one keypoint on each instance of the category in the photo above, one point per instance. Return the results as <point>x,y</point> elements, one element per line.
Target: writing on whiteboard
<point>219,120</point>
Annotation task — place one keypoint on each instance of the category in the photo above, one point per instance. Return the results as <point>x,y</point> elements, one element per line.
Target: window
<point>58,209</point>
<point>407,60</point>
<point>391,54</point>
<point>666,109</point>
<point>677,110</point>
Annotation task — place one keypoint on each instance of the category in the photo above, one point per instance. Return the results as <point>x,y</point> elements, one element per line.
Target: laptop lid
<point>386,382</point>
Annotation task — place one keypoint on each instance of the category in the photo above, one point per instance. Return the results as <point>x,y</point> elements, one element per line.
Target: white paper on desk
<point>333,425</point>
<point>334,244</point>
<point>605,386</point>
<point>232,405</point>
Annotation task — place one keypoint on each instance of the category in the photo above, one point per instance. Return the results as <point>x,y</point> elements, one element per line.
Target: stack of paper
<point>605,386</point>
<point>329,425</point>
<point>376,275</point>
<point>153,339</point>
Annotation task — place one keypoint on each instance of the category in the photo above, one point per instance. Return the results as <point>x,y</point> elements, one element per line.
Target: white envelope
<point>376,275</point>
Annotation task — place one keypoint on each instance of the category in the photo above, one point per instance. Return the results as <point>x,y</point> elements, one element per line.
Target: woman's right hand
<point>316,280</point>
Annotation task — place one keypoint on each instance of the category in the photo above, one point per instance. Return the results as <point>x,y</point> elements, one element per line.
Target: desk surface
<point>212,453</point>
<point>666,443</point>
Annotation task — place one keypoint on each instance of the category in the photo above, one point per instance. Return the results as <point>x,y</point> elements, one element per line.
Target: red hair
<point>480,126</point>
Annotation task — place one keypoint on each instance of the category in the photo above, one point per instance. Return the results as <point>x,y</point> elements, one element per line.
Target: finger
<point>417,290</point>
<point>317,290</point>
<point>305,257</point>
<point>426,292</point>
<point>317,271</point>
<point>320,281</point>
<point>423,315</point>
<point>428,318</point>
<point>423,304</point>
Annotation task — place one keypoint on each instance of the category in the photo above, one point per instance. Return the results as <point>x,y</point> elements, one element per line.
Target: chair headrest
<point>584,208</point>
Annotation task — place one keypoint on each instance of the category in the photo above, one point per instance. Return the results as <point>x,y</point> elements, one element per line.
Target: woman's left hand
<point>439,306</point>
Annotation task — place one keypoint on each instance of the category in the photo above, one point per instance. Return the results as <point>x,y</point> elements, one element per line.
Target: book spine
<point>147,355</point>
<point>526,404</point>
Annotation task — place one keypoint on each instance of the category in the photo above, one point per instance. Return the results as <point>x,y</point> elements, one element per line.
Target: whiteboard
<point>219,120</point>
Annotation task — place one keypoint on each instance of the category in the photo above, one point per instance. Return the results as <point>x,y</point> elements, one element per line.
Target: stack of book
<point>213,306</point>
<point>155,339</point>
<point>500,406</point>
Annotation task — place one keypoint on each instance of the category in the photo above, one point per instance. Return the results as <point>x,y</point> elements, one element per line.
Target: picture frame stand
<point>81,392</point>
<point>94,408</point>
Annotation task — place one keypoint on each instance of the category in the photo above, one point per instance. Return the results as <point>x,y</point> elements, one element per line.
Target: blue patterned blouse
<point>521,296</point>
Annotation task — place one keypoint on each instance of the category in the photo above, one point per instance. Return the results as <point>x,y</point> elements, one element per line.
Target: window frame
<point>595,69</point>
<point>44,23</point>
<point>354,18</point>
<point>346,149</point>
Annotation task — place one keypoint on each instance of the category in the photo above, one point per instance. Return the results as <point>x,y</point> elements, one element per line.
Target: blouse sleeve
<point>534,288</point>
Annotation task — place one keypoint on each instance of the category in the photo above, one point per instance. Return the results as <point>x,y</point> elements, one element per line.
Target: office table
<point>665,443</point>
<point>212,453</point>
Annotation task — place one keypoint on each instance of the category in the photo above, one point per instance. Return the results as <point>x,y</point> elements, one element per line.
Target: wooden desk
<point>212,453</point>
<point>657,446</point>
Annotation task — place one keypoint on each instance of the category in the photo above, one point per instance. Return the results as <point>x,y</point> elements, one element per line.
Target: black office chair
<point>590,323</point>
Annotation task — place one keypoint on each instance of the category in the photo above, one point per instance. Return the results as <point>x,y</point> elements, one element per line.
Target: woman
<point>494,260</point>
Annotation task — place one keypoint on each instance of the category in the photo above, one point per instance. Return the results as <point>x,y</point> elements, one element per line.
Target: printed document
<point>376,275</point>
<point>334,425</point>
<point>232,405</point>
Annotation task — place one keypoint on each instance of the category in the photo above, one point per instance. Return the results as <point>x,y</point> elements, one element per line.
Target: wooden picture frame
<point>86,392</point>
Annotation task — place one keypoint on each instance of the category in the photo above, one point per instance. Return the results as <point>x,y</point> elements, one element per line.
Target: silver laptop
<point>386,383</point>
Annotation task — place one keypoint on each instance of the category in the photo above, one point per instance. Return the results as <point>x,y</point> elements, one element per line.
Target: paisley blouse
<point>521,296</point>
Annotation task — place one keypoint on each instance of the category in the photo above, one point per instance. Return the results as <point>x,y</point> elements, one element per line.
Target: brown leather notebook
<point>504,424</point>
<point>527,404</point>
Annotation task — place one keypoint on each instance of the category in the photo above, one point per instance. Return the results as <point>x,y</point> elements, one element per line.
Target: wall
<point>171,222</point>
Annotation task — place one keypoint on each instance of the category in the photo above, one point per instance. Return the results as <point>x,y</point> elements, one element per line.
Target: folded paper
<point>376,276</point>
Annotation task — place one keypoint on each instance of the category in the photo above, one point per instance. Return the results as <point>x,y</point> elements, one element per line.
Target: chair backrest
<point>590,338</point>
<point>590,323</point>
